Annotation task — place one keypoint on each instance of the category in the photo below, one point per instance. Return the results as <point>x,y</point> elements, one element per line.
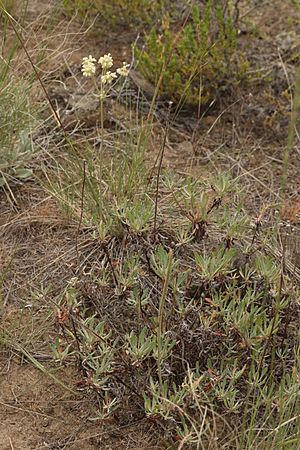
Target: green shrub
<point>126,12</point>
<point>192,63</point>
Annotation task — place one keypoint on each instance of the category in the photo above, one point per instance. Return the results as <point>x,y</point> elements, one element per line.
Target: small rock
<point>46,422</point>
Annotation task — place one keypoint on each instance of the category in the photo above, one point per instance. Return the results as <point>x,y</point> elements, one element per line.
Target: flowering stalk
<point>101,97</point>
<point>106,79</point>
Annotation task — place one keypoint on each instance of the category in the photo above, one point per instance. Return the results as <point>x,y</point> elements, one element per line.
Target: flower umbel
<point>88,66</point>
<point>108,77</point>
<point>106,61</point>
<point>124,70</point>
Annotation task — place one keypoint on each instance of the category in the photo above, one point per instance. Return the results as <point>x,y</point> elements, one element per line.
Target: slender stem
<point>81,207</point>
<point>160,166</point>
<point>102,95</point>
<point>160,330</point>
<point>102,135</point>
<point>110,265</point>
<point>53,110</point>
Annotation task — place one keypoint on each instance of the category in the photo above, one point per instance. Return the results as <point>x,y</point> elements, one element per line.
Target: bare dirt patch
<point>38,414</point>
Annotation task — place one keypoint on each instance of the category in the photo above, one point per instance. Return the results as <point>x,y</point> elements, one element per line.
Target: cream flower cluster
<point>106,61</point>
<point>108,77</point>
<point>88,68</point>
<point>124,70</point>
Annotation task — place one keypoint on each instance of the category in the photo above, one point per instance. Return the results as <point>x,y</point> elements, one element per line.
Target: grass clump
<point>17,116</point>
<point>191,63</point>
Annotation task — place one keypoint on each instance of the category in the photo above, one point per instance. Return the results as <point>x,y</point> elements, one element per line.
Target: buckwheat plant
<point>106,62</point>
<point>107,79</point>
